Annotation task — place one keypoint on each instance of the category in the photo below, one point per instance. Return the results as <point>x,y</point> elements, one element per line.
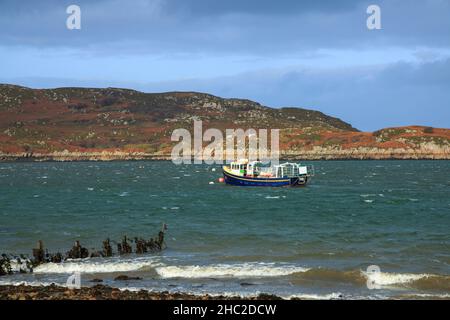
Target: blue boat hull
<point>262,182</point>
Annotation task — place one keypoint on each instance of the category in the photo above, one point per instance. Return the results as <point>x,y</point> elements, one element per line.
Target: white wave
<point>228,270</point>
<point>86,266</point>
<point>198,293</point>
<point>387,279</point>
<point>431,295</point>
<point>311,296</point>
<point>255,294</point>
<point>27,283</point>
<point>368,201</point>
<point>272,197</point>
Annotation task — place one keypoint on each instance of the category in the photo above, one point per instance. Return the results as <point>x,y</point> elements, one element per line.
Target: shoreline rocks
<point>102,292</point>
<point>126,278</point>
<point>315,153</point>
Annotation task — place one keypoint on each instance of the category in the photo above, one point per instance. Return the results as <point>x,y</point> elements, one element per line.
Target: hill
<point>113,123</point>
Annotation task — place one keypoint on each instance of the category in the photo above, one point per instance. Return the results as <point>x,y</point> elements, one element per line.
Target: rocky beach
<point>101,292</point>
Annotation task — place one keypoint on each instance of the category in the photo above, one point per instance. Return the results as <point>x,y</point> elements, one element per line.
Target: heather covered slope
<point>111,123</point>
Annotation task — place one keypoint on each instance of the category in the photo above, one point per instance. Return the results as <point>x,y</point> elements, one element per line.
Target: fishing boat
<point>255,173</point>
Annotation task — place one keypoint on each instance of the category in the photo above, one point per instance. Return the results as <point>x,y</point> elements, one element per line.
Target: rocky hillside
<point>107,124</point>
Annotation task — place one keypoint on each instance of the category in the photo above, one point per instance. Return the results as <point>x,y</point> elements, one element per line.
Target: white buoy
<point>211,182</point>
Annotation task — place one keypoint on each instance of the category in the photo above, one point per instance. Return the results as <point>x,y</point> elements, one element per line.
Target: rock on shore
<point>101,292</point>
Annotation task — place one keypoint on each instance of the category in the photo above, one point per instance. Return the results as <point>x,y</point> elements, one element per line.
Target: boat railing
<point>310,170</point>
<point>287,170</point>
<point>292,170</point>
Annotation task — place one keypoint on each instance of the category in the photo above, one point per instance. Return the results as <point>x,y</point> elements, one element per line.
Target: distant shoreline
<point>110,157</point>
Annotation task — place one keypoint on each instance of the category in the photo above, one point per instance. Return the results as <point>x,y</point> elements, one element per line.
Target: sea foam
<point>389,279</point>
<point>88,266</point>
<point>244,270</point>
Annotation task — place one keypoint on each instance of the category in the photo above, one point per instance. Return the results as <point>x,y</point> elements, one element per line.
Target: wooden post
<point>39,253</point>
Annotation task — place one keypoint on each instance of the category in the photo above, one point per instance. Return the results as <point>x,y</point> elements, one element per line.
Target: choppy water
<point>313,242</point>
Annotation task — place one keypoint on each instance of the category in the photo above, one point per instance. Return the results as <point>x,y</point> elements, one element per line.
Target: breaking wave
<point>244,270</point>
<point>382,279</point>
<point>311,296</point>
<point>88,266</point>
<point>387,279</point>
<point>425,296</point>
<point>297,275</point>
<point>417,281</point>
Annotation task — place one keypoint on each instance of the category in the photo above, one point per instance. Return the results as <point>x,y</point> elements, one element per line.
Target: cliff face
<point>108,124</point>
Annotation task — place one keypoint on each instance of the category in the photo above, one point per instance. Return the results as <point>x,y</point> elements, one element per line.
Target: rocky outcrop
<point>367,153</point>
<point>317,153</point>
<point>81,156</point>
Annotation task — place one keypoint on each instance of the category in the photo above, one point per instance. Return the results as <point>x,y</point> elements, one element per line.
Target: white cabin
<point>258,169</point>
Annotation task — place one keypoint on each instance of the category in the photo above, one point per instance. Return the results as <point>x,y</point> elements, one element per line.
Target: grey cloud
<point>208,7</point>
<point>219,27</point>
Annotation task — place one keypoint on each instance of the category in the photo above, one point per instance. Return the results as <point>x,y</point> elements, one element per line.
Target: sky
<point>313,54</point>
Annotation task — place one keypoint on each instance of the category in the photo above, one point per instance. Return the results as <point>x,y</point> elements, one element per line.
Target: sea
<point>358,230</point>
